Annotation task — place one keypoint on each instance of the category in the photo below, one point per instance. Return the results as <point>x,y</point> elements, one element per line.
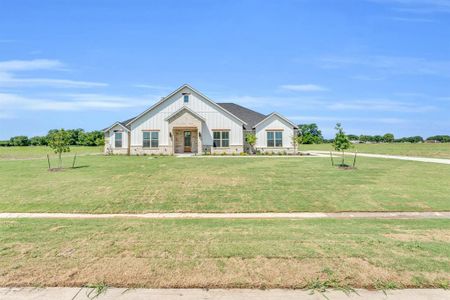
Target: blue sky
<point>376,66</point>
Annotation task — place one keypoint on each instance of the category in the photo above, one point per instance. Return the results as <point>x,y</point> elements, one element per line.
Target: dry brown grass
<point>426,236</point>
<point>258,272</point>
<point>225,253</point>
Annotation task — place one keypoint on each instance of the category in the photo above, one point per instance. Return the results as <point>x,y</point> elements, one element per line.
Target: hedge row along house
<point>186,121</point>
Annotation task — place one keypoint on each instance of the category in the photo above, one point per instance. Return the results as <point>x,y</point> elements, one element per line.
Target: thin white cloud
<point>267,104</point>
<point>409,19</point>
<point>380,105</point>
<point>417,6</point>
<point>8,77</point>
<point>346,119</point>
<point>7,81</point>
<point>72,102</point>
<point>368,77</point>
<point>151,86</point>
<point>388,65</point>
<point>26,65</point>
<point>303,87</point>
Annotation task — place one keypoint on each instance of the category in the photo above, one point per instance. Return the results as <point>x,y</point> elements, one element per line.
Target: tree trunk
<point>60,160</point>
<point>342,164</point>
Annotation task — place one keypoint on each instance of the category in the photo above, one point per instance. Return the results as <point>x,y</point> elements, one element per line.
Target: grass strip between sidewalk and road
<point>314,254</point>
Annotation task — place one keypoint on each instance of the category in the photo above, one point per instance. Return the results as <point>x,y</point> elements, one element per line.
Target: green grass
<point>423,150</point>
<point>34,152</point>
<point>108,184</point>
<point>314,254</point>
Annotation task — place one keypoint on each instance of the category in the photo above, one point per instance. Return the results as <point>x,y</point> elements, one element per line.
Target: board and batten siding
<point>112,137</point>
<point>274,123</point>
<point>215,119</point>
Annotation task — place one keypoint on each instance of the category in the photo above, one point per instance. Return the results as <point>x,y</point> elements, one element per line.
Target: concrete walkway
<point>294,215</point>
<point>400,157</point>
<point>214,294</point>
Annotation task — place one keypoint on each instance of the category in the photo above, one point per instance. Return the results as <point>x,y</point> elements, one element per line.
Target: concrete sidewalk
<point>214,294</point>
<point>297,215</point>
<point>400,157</point>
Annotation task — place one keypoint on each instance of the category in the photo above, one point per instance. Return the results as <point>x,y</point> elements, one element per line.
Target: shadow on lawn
<point>67,169</point>
<point>80,167</point>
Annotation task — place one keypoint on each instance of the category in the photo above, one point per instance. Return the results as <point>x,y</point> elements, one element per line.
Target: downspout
<point>129,143</point>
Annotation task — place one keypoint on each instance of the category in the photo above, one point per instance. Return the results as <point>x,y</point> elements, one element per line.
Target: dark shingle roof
<point>124,123</point>
<point>249,116</point>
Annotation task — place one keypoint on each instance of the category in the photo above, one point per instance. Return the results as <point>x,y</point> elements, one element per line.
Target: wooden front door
<point>187,141</point>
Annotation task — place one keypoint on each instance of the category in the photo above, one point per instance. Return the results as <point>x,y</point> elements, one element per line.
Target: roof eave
<point>117,123</point>
<point>278,115</point>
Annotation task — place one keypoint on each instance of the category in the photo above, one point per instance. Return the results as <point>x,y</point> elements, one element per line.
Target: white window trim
<point>150,139</point>
<point>274,138</point>
<point>221,139</point>
<point>121,139</point>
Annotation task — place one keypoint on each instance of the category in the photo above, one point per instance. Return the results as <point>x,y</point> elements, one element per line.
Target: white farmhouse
<point>186,121</point>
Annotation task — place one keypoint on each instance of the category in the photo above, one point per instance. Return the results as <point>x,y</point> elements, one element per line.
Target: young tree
<point>341,141</point>
<point>59,141</point>
<point>296,141</point>
<point>250,138</point>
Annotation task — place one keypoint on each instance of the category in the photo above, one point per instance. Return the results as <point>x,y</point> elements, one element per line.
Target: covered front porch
<point>185,127</point>
<point>186,140</point>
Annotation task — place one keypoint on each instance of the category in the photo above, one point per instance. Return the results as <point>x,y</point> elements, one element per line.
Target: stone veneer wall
<point>289,150</point>
<point>118,151</point>
<point>178,136</point>
<point>138,150</point>
<point>233,149</point>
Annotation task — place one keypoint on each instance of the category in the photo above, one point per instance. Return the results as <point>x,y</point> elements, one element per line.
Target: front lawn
<point>34,152</point>
<point>378,254</point>
<point>112,184</point>
<point>407,149</point>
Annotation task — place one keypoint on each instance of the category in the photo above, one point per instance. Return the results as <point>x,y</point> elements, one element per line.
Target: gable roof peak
<point>177,91</point>
<point>278,115</point>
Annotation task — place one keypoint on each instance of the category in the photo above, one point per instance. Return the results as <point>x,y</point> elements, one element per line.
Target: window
<point>186,98</point>
<point>274,139</point>
<point>118,139</point>
<point>221,139</point>
<point>150,139</point>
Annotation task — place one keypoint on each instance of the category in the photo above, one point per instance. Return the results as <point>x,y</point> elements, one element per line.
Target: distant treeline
<point>77,137</point>
<point>311,134</point>
<point>389,138</point>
